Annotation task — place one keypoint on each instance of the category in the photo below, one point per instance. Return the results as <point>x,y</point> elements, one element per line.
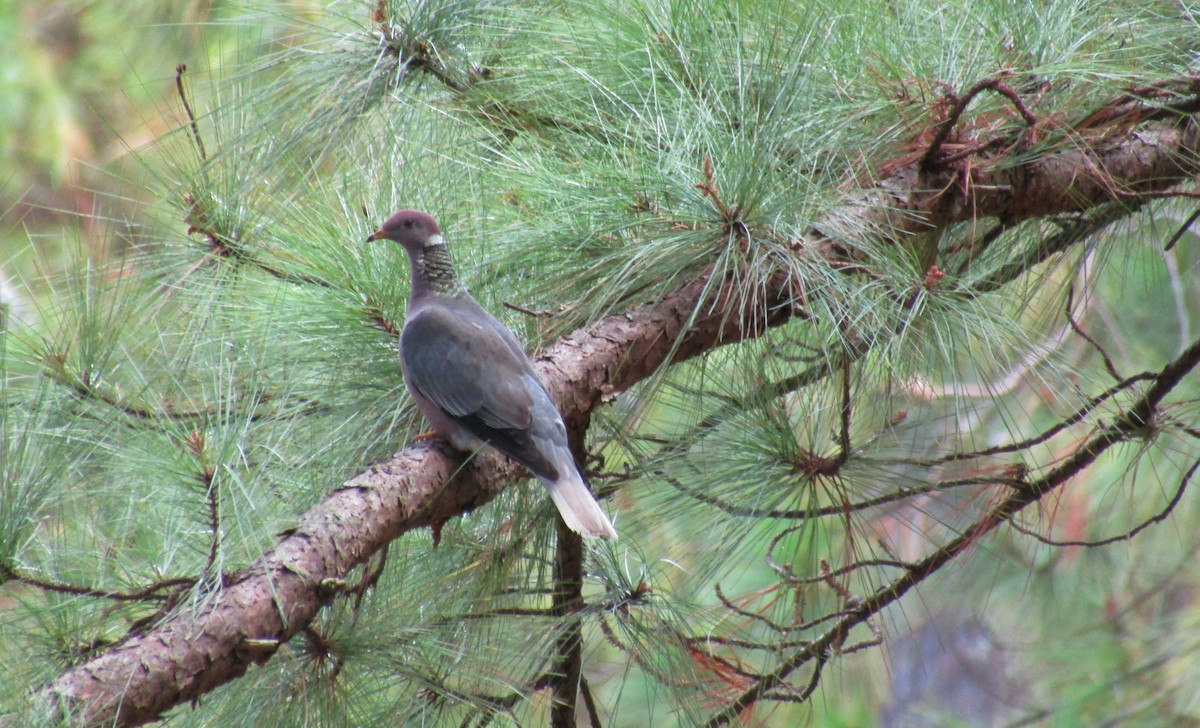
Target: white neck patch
<point>435,240</point>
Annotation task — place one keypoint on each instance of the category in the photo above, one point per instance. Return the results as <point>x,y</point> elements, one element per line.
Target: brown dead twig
<point>730,215</point>
<point>958,106</point>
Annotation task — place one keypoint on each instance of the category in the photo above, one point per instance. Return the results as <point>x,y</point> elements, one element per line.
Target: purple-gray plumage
<point>471,377</point>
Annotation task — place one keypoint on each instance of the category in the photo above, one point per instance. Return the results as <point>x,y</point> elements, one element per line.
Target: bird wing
<point>465,363</point>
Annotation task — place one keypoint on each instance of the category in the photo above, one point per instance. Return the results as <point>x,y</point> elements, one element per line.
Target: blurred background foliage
<point>83,88</point>
<point>203,310</point>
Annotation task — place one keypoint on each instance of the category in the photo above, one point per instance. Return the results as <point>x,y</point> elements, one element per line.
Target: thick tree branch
<point>1124,158</point>
<point>567,597</point>
<point>267,603</point>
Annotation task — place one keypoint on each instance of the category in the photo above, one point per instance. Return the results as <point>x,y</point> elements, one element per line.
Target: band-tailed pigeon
<point>472,379</point>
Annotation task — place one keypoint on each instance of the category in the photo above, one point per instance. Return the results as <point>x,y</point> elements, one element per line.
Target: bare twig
<point>844,444</point>
<point>960,104</point>
<point>1128,535</point>
<point>589,703</point>
<point>1187,224</point>
<point>527,311</point>
<point>179,71</point>
<point>773,626</point>
<point>147,593</point>
<point>1108,362</point>
<point>1074,418</point>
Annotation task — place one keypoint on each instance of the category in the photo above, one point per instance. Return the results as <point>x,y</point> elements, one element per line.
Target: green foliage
<point>191,390</point>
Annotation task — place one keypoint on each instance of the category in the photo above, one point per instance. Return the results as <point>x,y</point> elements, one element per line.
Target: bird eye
<point>408,223</point>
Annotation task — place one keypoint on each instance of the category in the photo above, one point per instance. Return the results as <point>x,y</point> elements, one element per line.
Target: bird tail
<point>579,509</point>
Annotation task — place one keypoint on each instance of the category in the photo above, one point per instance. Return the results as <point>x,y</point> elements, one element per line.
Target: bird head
<point>413,229</point>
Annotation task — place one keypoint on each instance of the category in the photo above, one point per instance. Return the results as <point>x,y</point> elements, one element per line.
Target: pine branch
<point>266,604</point>
<point>269,602</point>
<point>1110,162</point>
<point>1131,424</point>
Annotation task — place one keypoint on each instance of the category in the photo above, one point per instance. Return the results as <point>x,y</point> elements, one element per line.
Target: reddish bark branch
<point>267,603</point>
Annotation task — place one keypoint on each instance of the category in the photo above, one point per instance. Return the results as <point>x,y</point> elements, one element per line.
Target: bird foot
<point>429,435</point>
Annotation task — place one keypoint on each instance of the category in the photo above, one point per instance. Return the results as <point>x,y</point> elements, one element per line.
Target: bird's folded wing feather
<point>465,366</point>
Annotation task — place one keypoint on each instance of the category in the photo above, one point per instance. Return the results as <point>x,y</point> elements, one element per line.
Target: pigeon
<point>474,382</point>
